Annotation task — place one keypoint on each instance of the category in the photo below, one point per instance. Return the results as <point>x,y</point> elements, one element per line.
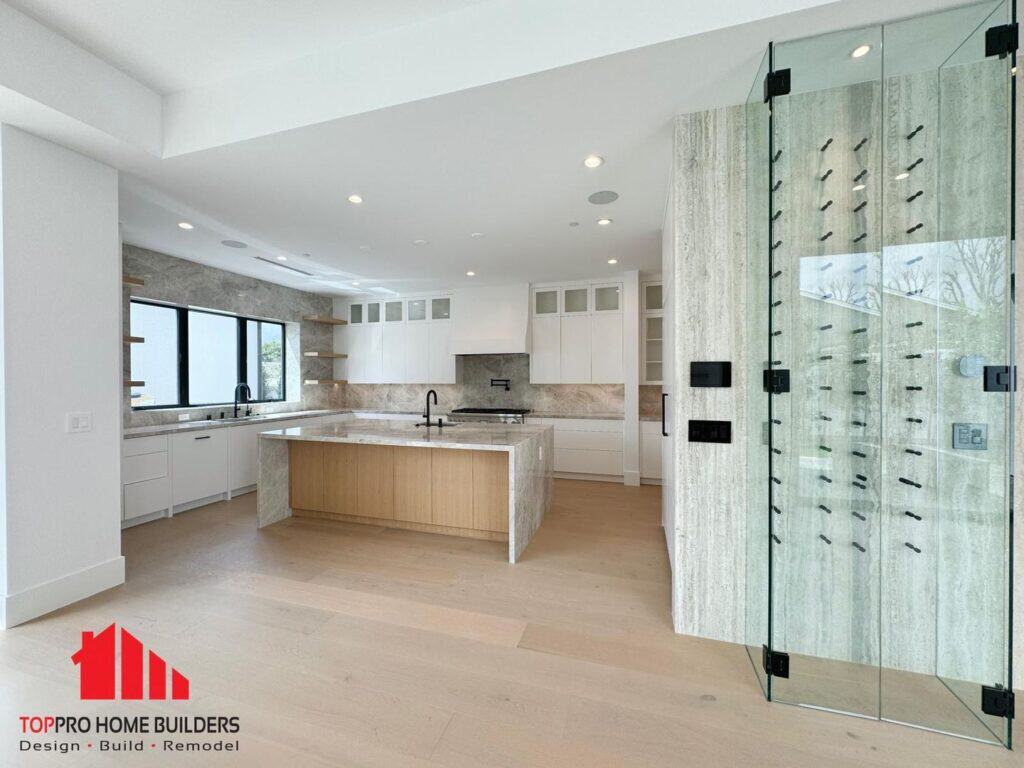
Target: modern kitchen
<point>487,383</point>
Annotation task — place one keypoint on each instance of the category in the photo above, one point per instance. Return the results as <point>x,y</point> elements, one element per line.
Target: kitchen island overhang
<point>477,480</point>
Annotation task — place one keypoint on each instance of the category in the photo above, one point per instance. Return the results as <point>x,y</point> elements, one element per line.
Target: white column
<point>631,377</point>
<point>60,276</point>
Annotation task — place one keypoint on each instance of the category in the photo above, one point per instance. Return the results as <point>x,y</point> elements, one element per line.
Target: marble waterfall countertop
<point>473,436</point>
<point>198,424</point>
<point>530,449</point>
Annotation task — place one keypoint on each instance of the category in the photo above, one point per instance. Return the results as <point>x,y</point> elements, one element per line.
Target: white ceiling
<point>172,45</point>
<point>503,159</point>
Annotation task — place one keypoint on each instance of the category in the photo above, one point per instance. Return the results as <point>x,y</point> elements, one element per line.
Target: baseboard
<point>44,598</point>
<point>583,476</point>
<point>650,481</point>
<point>631,477</point>
<point>186,506</point>
<point>160,514</point>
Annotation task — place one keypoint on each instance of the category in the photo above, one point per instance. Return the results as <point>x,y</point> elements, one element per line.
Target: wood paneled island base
<point>483,481</point>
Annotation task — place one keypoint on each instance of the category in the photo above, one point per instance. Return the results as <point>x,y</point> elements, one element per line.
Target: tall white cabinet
<point>576,334</point>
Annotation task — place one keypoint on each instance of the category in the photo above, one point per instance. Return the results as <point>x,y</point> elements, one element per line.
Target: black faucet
<point>506,383</point>
<point>247,394</point>
<point>426,416</point>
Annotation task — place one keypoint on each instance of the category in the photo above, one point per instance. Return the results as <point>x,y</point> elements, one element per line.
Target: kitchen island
<point>487,481</point>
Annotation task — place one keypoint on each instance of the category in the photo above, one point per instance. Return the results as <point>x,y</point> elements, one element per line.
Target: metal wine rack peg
<point>861,175</point>
<point>915,324</point>
<point>825,357</point>
<point>857,546</point>
<point>914,356</point>
<point>825,509</point>
<point>826,327</point>
<point>859,485</point>
<point>778,154</point>
<point>914,261</point>
<point>778,213</point>
<point>823,417</point>
<point>908,513</point>
<point>859,455</point>
<point>776,510</point>
<point>827,174</point>
<point>859,392</point>
<point>858,515</point>
<point>914,420</point>
<point>825,478</point>
<point>914,132</point>
<point>859,330</point>
<point>860,205</point>
<point>777,273</point>
<point>827,266</point>
<point>776,244</point>
<point>862,361</point>
<point>776,539</point>
<point>914,389</point>
<point>912,452</point>
<point>860,237</point>
<point>862,267</point>
<point>825,448</point>
<point>914,164</point>
<point>825,388</point>
<point>911,546</point>
<point>860,143</point>
<point>826,206</point>
<point>907,481</point>
<point>826,236</point>
<point>824,538</point>
<point>776,480</point>
<point>859,423</point>
<point>826,144</point>
<point>914,228</point>
<point>778,184</point>
<point>914,196</point>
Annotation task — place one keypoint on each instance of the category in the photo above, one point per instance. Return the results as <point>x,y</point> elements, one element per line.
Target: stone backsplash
<point>475,374</point>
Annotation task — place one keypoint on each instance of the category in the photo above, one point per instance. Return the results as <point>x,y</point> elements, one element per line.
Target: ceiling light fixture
<point>282,258</point>
<point>419,242</point>
<point>603,197</point>
<point>476,234</point>
<point>574,223</point>
<point>613,261</point>
<point>356,199</point>
<point>902,176</point>
<point>859,51</point>
<point>355,282</point>
<point>604,222</point>
<point>234,244</point>
<point>185,225</point>
<point>471,273</point>
<point>364,247</point>
<point>593,161</point>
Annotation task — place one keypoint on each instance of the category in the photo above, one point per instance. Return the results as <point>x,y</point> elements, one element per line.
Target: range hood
<point>491,321</point>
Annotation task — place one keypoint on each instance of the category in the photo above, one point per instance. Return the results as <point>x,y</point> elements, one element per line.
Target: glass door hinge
<point>1000,378</point>
<point>997,701</point>
<point>776,380</point>
<point>774,662</point>
<point>776,83</point>
<point>1001,41</point>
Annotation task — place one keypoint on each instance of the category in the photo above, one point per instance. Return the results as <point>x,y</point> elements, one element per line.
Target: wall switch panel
<point>183,417</point>
<point>970,437</point>
<point>80,421</point>
<point>710,431</point>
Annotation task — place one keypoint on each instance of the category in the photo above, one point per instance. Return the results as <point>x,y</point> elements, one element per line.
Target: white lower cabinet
<point>199,462</point>
<point>587,446</point>
<point>145,476</point>
<point>650,450</point>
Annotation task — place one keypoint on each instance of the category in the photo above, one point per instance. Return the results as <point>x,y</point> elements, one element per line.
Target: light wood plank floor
<point>347,645</point>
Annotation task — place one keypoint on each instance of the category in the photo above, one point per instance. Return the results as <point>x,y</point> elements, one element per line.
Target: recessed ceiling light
<point>471,273</point>
<point>613,261</point>
<point>476,234</point>
<point>593,161</point>
<point>419,242</point>
<point>185,225</point>
<point>355,282</point>
<point>574,223</point>
<point>603,197</point>
<point>282,258</point>
<point>860,50</point>
<point>355,199</point>
<point>234,244</point>
<point>364,247</point>
<point>604,222</point>
<point>902,176</point>
<point>858,188</point>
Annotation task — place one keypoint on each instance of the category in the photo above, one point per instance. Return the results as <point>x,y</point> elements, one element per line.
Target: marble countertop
<point>199,424</point>
<point>609,416</point>
<point>470,435</point>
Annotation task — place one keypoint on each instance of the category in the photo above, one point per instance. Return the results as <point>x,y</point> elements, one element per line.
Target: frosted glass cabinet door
<point>545,302</point>
<point>546,355</point>
<point>606,349</point>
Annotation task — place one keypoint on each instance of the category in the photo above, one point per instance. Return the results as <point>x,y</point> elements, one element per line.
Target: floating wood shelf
<point>130,383</point>
<point>134,339</point>
<point>331,355</point>
<point>325,381</point>
<point>131,280</point>
<point>325,319</point>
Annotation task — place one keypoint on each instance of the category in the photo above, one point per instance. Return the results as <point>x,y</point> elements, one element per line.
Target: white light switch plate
<point>79,421</point>
<point>183,417</point>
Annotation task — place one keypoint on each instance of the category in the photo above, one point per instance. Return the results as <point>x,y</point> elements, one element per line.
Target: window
<point>192,357</point>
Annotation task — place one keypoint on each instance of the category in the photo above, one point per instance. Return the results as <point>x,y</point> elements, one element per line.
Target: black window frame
<point>181,316</point>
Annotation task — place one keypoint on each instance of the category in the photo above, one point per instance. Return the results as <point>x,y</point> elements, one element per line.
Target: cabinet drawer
<point>588,462</point>
<point>146,497</point>
<point>136,446</point>
<point>586,425</point>
<point>148,466</point>
<point>594,441</point>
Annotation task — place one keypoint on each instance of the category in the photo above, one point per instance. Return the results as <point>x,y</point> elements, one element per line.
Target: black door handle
<point>204,437</point>
<point>663,396</point>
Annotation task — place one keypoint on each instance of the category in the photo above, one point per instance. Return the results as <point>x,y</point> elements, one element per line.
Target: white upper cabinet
<point>577,334</point>
<point>441,361</point>
<point>417,353</point>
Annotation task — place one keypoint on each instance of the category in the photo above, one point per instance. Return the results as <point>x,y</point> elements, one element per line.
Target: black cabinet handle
<point>663,396</point>
<point>204,437</point>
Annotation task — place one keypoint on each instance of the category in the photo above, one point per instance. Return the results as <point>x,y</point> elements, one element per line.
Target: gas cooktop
<point>496,411</point>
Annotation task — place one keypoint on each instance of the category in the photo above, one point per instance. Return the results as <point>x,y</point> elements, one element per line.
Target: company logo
<point>97,675</point>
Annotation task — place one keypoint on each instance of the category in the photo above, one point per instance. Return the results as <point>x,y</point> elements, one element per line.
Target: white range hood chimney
<point>491,321</point>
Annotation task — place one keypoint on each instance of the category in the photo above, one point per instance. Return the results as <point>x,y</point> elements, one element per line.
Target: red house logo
<point>97,661</point>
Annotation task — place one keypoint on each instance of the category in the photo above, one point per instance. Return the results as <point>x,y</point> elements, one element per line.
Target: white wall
<point>61,333</point>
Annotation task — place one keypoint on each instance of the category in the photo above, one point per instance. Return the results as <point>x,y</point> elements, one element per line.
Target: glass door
<point>948,316</point>
<point>826,332</point>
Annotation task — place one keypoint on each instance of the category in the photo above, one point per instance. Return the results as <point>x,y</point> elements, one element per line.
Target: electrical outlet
<point>79,421</point>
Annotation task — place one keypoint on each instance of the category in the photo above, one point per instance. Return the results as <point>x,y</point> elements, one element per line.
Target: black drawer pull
<point>204,437</point>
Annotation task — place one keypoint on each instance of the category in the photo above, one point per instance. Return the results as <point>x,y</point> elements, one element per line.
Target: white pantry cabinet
<point>199,463</point>
<point>650,450</point>
<point>546,355</point>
